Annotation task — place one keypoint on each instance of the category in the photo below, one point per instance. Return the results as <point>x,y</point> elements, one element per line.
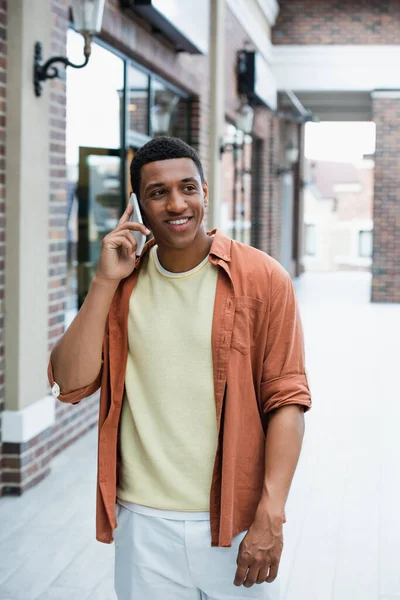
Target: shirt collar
<point>220,247</point>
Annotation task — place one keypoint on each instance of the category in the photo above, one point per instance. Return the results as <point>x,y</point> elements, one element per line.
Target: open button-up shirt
<point>258,367</point>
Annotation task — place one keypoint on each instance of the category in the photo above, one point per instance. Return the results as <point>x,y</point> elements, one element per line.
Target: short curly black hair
<point>161,148</point>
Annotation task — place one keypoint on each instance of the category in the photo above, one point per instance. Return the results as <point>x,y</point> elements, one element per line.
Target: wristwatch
<point>55,390</point>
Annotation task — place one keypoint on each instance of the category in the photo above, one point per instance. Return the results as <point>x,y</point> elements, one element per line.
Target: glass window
<point>137,100</point>
<point>97,175</point>
<point>237,184</point>
<point>169,112</point>
<point>94,100</point>
<point>365,244</point>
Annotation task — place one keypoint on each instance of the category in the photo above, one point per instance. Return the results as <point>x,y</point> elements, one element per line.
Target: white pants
<point>168,559</point>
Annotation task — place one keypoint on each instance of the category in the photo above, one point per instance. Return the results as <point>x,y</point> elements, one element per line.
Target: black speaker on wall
<point>246,73</point>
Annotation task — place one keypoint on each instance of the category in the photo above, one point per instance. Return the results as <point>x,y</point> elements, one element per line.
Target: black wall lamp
<point>87,16</point>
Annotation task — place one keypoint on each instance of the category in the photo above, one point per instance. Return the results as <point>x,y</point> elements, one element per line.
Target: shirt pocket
<point>249,317</point>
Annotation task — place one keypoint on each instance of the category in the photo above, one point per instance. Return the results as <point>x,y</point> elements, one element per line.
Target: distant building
<point>338,225</point>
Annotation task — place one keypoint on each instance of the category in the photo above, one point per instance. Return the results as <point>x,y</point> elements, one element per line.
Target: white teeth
<point>180,222</point>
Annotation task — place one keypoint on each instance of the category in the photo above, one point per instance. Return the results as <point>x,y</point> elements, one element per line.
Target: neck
<point>179,260</point>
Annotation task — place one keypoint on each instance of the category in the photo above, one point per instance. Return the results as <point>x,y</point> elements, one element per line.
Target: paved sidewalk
<point>342,539</point>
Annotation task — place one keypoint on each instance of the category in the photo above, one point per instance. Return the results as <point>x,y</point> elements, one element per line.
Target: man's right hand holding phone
<point>118,249</point>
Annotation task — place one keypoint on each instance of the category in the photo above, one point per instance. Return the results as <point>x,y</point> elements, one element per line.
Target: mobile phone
<point>137,218</point>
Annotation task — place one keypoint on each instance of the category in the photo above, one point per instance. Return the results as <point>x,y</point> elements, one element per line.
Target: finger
<point>240,575</point>
<point>121,233</point>
<point>126,233</point>
<point>252,576</point>
<point>131,239</point>
<point>262,575</point>
<point>273,572</point>
<point>118,241</point>
<point>127,214</point>
<point>133,226</point>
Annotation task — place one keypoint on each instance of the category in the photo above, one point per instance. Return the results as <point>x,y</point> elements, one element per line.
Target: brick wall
<point>386,254</point>
<point>71,421</point>
<point>235,39</point>
<point>266,217</point>
<point>3,73</point>
<point>337,22</point>
<point>58,192</point>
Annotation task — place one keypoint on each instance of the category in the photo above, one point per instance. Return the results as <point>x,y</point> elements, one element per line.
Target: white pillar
<point>217,108</point>
<point>27,198</point>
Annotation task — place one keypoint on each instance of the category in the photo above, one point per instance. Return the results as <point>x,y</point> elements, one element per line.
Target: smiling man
<point>198,349</point>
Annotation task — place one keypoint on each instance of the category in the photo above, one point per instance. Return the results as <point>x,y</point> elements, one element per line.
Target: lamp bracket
<point>47,70</point>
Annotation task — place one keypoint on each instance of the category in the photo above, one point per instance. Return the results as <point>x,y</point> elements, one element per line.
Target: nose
<point>176,202</point>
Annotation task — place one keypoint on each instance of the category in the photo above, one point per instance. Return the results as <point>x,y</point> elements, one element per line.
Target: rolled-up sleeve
<point>284,378</point>
<point>77,395</point>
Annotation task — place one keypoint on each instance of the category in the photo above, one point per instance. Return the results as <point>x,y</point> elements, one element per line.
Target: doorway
<point>100,200</point>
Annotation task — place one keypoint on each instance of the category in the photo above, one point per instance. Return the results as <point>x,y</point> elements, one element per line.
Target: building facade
<point>338,225</point>
<point>236,79</point>
<point>340,59</point>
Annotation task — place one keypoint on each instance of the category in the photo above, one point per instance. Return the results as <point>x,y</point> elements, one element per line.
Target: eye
<point>190,187</point>
<point>157,193</point>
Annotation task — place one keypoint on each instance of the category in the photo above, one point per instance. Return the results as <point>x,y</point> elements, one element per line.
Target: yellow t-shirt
<point>168,429</point>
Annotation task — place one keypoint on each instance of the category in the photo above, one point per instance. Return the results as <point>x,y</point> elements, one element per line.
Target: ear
<point>205,192</point>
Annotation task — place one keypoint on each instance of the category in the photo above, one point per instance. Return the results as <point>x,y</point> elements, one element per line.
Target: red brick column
<point>386,253</point>
<point>265,207</point>
<point>71,421</point>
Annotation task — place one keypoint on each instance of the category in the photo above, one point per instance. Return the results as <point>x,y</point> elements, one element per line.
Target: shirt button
<point>55,390</point>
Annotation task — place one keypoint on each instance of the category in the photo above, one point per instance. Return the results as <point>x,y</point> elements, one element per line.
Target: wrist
<point>273,506</point>
<point>110,285</point>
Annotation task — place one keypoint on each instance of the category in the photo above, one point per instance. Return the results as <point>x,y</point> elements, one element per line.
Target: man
<point>198,349</point>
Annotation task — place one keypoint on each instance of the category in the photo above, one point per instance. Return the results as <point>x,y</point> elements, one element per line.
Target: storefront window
<point>138,101</point>
<point>169,112</point>
<point>109,92</point>
<point>93,142</point>
<point>236,169</point>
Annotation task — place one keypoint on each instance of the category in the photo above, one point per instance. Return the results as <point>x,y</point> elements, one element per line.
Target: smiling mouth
<point>178,223</point>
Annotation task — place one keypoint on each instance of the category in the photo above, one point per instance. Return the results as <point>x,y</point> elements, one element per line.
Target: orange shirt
<point>258,366</point>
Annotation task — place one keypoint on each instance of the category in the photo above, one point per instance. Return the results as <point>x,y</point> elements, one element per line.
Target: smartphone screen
<point>137,218</point>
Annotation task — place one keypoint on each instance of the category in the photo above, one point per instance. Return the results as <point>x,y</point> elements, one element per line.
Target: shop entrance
<point>102,193</point>
<point>100,199</point>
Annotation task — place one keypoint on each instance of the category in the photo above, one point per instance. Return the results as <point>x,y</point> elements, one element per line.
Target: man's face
<point>173,198</point>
